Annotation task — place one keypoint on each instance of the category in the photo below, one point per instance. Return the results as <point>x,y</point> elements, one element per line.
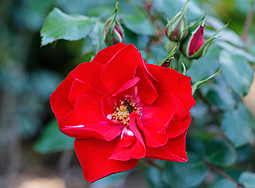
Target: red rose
<point>121,109</point>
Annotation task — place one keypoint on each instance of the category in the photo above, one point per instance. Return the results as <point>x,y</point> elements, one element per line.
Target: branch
<point>222,173</point>
<point>248,22</point>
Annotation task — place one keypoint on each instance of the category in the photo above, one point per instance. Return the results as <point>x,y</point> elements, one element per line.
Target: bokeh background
<point>29,73</point>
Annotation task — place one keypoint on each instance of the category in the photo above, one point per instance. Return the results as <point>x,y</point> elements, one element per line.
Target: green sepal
<point>195,85</point>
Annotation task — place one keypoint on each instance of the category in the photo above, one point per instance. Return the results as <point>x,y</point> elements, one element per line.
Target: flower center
<point>122,109</point>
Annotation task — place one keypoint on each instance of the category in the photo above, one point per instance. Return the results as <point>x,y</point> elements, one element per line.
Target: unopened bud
<point>177,27</point>
<point>113,32</point>
<point>195,46</point>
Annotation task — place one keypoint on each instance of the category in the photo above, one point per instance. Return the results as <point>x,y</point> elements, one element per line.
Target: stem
<point>170,56</point>
<point>153,163</point>
<point>248,22</point>
<point>222,173</point>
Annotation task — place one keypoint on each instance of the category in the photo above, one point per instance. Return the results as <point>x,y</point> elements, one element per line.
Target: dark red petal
<point>154,138</point>
<point>59,98</point>
<point>135,150</point>
<point>127,137</point>
<point>156,117</point>
<point>197,41</point>
<point>79,88</point>
<point>168,78</point>
<point>174,150</point>
<point>89,108</point>
<point>178,127</point>
<point>77,126</point>
<point>94,154</point>
<point>106,54</point>
<point>127,85</point>
<point>107,106</point>
<point>120,68</point>
<point>145,91</point>
<point>90,73</point>
<point>184,93</point>
<point>88,116</point>
<point>169,100</point>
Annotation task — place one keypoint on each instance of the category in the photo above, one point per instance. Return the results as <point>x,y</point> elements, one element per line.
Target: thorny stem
<point>222,173</point>
<point>248,22</point>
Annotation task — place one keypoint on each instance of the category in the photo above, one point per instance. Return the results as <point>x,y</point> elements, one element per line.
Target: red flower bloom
<point>121,109</point>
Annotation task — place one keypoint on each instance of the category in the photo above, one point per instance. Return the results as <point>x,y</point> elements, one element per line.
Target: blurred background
<point>29,73</point>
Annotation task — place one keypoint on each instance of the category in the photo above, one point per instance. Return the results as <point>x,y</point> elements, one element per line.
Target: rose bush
<point>121,109</point>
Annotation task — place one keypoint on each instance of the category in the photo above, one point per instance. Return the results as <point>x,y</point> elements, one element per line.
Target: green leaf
<point>219,94</point>
<point>171,8</point>
<point>235,50</point>
<point>220,153</point>
<point>189,174</point>
<point>139,24</point>
<point>53,140</point>
<point>237,125</point>
<point>96,35</point>
<point>247,179</point>
<point>223,183</point>
<point>237,72</point>
<point>59,25</point>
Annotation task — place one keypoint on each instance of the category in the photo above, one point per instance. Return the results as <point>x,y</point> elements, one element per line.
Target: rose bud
<point>194,46</point>
<point>113,32</point>
<point>177,27</point>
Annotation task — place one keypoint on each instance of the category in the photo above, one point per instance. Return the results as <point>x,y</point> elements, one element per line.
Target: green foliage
<point>194,171</point>
<point>139,24</point>
<point>238,124</point>
<point>59,25</point>
<point>237,72</point>
<point>205,66</point>
<point>247,179</point>
<point>57,141</point>
<point>220,153</point>
<point>222,129</point>
<point>223,183</point>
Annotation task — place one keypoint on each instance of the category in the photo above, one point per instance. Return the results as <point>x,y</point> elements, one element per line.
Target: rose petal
<point>79,88</point>
<point>169,100</point>
<point>77,126</point>
<point>145,91</point>
<point>90,73</point>
<point>197,41</point>
<point>106,54</point>
<point>127,137</point>
<point>167,78</point>
<point>127,85</point>
<point>174,150</point>
<point>88,116</point>
<point>120,68</point>
<point>60,104</point>
<point>178,127</point>
<point>154,138</point>
<point>89,108</point>
<point>134,151</point>
<point>156,117</point>
<point>184,93</point>
<point>94,154</point>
